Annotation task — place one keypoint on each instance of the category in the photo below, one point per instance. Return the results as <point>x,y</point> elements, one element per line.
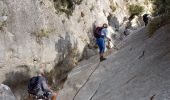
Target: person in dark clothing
<point>47,92</point>
<point>43,91</point>
<point>146,18</point>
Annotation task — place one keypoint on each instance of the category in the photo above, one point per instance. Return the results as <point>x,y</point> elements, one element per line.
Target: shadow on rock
<point>67,59</point>
<point>17,80</point>
<point>17,76</point>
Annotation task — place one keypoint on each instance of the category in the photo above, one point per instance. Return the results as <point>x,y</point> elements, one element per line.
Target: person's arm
<point>108,38</point>
<point>45,85</point>
<point>106,34</point>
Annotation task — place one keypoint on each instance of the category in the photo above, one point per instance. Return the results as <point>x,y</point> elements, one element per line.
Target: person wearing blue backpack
<point>100,34</point>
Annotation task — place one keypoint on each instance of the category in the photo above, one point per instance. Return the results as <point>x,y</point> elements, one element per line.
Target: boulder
<point>6,93</point>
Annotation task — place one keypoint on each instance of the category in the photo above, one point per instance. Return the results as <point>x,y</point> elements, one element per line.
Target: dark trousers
<point>146,22</point>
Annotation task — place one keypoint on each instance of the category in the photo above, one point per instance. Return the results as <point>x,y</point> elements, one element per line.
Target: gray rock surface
<point>138,71</point>
<point>6,93</point>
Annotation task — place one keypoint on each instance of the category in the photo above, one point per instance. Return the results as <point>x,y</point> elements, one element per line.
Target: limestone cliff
<point>55,33</point>
<point>6,93</point>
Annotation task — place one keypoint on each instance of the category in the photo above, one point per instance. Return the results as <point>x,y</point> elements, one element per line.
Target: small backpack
<point>145,17</point>
<point>97,32</point>
<point>34,85</point>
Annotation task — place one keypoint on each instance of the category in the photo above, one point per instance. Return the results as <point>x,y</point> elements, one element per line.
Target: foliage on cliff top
<point>158,22</point>
<point>161,6</point>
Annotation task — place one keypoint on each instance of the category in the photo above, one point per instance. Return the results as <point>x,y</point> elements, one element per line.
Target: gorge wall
<point>54,33</point>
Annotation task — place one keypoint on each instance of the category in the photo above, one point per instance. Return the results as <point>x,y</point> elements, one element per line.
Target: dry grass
<point>135,9</point>
<point>42,33</point>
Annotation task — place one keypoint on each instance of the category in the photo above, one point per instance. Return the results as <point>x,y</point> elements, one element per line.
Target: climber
<point>146,18</point>
<point>38,88</point>
<point>100,34</point>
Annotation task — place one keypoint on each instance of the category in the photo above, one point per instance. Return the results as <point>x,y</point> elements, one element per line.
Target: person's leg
<point>146,22</point>
<point>101,45</point>
<point>102,50</point>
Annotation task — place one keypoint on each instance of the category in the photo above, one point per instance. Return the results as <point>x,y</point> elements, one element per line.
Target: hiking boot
<point>102,59</point>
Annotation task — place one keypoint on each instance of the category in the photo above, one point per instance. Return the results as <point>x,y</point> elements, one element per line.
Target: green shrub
<point>42,33</point>
<point>66,6</point>
<point>113,7</point>
<point>158,22</point>
<point>135,9</point>
<point>161,6</point>
<point>2,25</point>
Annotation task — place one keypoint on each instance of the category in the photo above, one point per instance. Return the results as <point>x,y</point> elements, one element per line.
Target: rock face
<point>5,93</point>
<point>33,32</point>
<point>138,71</point>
